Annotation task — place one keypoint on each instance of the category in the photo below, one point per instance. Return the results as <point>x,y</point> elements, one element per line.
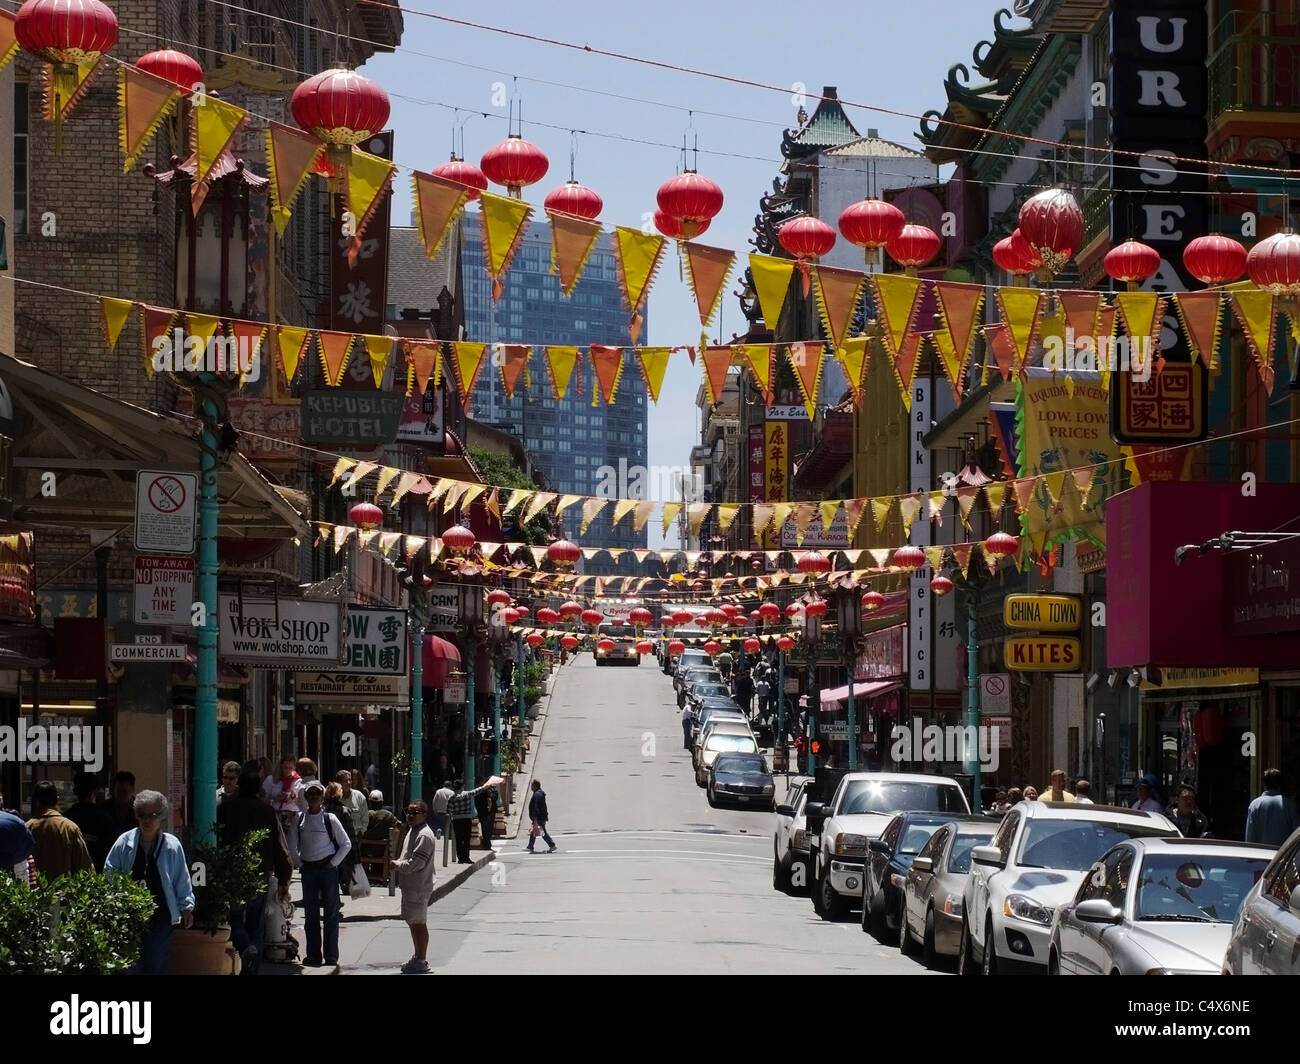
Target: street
<point>648,879</point>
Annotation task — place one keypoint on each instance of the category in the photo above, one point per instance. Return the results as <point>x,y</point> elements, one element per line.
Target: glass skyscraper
<point>575,443</point>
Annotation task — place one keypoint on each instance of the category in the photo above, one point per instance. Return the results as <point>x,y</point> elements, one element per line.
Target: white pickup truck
<point>840,830</point>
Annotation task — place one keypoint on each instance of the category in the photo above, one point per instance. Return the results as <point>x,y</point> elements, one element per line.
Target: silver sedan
<point>933,888</point>
<point>1156,906</point>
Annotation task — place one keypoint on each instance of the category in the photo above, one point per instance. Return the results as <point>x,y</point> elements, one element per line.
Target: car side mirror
<point>879,846</point>
<point>785,810</point>
<point>815,810</point>
<point>987,855</point>
<point>1097,911</point>
<point>923,864</point>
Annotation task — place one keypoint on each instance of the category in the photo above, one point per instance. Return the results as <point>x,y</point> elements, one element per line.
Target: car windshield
<point>886,796</point>
<point>708,675</point>
<point>701,690</point>
<point>1075,845</point>
<point>915,836</point>
<point>959,859</point>
<point>615,631</point>
<point>740,763</point>
<point>1201,888</point>
<point>740,744</point>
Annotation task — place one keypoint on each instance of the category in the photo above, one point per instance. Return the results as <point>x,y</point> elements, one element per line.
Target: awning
<point>863,689</point>
<point>438,658</point>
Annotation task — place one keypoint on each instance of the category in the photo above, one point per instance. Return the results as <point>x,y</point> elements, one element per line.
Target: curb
<point>444,888</point>
<point>543,715</point>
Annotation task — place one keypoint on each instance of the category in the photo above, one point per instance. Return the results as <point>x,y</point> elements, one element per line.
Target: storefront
<point>878,676</point>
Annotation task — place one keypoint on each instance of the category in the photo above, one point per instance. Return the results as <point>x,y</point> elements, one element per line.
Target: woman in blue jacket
<point>151,856</point>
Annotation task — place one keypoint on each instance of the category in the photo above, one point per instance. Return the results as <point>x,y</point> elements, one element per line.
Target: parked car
<point>1035,862</point>
<point>722,740</point>
<point>688,657</point>
<point>1156,907</point>
<point>718,722</point>
<point>932,889</point>
<point>789,839</point>
<point>742,779</point>
<point>697,691</point>
<point>689,673</point>
<point>1265,939</point>
<point>888,860</point>
<point>705,714</point>
<point>863,803</point>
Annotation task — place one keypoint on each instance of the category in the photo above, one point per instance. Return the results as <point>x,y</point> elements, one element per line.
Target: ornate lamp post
<point>471,613</point>
<point>849,606</point>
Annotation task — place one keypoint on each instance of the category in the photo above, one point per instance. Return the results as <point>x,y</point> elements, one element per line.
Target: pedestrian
<point>307,772</point>
<point>60,846</point>
<point>1272,817</point>
<point>460,810</point>
<point>281,788</point>
<point>485,806</point>
<point>1146,797</point>
<point>688,722</point>
<point>415,871</point>
<point>1083,793</point>
<point>441,797</point>
<point>265,769</point>
<point>1056,791</point>
<point>237,817</point>
<point>153,857</point>
<point>763,690</point>
<point>1031,794</point>
<point>1187,817</point>
<point>382,821</point>
<point>16,843</point>
<point>95,821</point>
<point>334,804</point>
<point>745,691</point>
<point>539,814</point>
<point>354,799</point>
<point>123,810</point>
<point>1014,797</point>
<point>1000,803</point>
<point>229,781</point>
<point>322,846</point>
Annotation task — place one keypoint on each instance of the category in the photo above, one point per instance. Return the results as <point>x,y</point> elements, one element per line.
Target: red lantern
<point>523,611</point>
<point>755,616</point>
<point>569,642</point>
<point>514,163</point>
<point>914,246</point>
<point>815,608</point>
<point>909,557</point>
<point>509,615</point>
<point>366,515</point>
<point>641,617</point>
<point>752,646</point>
<point>672,229</point>
<point>691,201</point>
<point>65,33</point>
<point>563,554</point>
<point>806,238</point>
<point>739,620</point>
<point>617,622</point>
<point>1132,262</point>
<point>605,646</point>
<point>340,108</point>
<point>1215,259</point>
<point>770,612</point>
<point>459,539</point>
<point>1274,264</point>
<point>793,610</point>
<point>676,647</point>
<point>573,198</point>
<point>463,173</point>
<point>534,639</point>
<point>814,562</point>
<point>497,597</point>
<point>1002,545</point>
<point>172,66</point>
<point>546,615</point>
<point>712,647</point>
<point>1016,256</point>
<point>715,618</point>
<point>683,617</point>
<point>871,224</point>
<point>872,600</point>
<point>730,609</point>
<point>784,644</point>
<point>1053,226</point>
<point>570,610</point>
<point>644,646</point>
<point>592,618</point>
<point>941,585</point>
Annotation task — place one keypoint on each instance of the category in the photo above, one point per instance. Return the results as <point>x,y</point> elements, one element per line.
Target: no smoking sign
<point>165,511</point>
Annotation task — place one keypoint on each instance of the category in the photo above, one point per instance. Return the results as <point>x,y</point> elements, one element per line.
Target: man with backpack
<point>322,845</point>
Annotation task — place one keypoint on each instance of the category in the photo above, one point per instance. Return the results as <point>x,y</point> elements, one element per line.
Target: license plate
<point>743,797</point>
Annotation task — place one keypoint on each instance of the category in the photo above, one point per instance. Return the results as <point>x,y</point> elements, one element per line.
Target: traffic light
<point>817,746</point>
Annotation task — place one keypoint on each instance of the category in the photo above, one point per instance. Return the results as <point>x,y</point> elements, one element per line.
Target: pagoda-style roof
<point>827,127</point>
<point>1009,50</point>
<point>225,165</point>
<point>870,147</point>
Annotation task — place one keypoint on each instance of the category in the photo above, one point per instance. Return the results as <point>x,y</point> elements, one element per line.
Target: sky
<point>631,118</point>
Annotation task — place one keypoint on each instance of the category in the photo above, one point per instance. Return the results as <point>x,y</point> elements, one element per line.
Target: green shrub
<point>532,694</point>
<point>82,923</point>
<point>230,876</point>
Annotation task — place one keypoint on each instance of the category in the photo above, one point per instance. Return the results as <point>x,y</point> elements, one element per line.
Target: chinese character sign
<point>778,460</point>
<point>756,464</point>
<point>1168,407</point>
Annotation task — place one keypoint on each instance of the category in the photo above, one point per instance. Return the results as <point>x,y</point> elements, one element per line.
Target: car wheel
<point>929,957</point>
<point>905,944</point>
<point>990,966</point>
<point>779,880</point>
<point>816,891</point>
<point>1053,965</point>
<point>832,907</point>
<point>879,926</point>
<point>713,802</point>
<point>965,957</point>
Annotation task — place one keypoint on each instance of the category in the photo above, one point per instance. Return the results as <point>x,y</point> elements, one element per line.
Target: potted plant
<point>82,923</point>
<point>225,876</point>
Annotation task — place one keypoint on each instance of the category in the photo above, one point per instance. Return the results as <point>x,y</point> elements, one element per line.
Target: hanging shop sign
<point>1171,406</point>
<point>375,641</point>
<point>756,463</point>
<point>289,633</point>
<point>444,609</point>
<point>1043,653</point>
<point>350,689</point>
<point>920,599</point>
<point>786,413</point>
<point>1043,613</point>
<point>884,655</point>
<point>1258,593</point>
<point>815,537</point>
<point>1178,679</point>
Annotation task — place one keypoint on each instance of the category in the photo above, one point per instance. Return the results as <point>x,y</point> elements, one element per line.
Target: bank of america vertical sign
<point>1157,103</point>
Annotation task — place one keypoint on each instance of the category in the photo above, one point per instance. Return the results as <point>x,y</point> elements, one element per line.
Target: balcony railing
<point>1096,213</point>
<point>1254,64</point>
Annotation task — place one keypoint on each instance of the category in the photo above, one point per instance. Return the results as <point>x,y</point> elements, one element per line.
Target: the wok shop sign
<point>285,632</point>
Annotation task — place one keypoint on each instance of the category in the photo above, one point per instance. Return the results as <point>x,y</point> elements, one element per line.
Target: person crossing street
<point>539,815</point>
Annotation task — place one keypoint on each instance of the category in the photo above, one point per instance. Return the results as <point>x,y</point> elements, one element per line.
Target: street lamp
<point>849,606</point>
<point>472,605</point>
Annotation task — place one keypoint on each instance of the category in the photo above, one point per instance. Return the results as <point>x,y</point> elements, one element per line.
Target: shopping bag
<point>534,831</point>
<point>360,887</point>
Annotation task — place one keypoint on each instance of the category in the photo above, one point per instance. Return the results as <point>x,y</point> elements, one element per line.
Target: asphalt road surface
<point>647,879</point>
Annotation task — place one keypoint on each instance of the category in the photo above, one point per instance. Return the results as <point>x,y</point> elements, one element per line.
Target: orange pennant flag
<point>1082,311</point>
<point>1200,314</point>
<point>248,336</point>
<point>513,359</point>
<point>423,357</point>
<point>144,101</point>
<point>806,360</point>
<point>960,307</point>
<point>333,347</point>
<point>905,367</point>
<point>717,360</point>
<point>761,359</point>
<point>438,203</point>
<point>8,38</point>
<point>572,240</point>
<point>157,324</point>
<point>997,338</point>
<point>291,156</point>
<point>839,292</point>
<point>608,364</point>
<point>707,270</point>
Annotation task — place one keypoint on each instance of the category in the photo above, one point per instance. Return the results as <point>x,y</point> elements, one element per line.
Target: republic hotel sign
<point>1158,102</point>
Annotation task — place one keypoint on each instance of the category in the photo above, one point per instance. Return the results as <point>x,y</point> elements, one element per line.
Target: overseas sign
<point>290,633</point>
<point>375,642</point>
<point>1042,613</point>
<point>1043,653</point>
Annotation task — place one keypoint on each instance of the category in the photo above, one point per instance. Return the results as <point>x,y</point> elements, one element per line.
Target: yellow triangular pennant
<point>590,509</point>
<point>1020,311</point>
<point>671,510</point>
<point>761,360</point>
<point>897,297</point>
<point>214,127</point>
<point>1257,312</point>
<point>853,354</point>
<point>469,361</point>
<point>559,362</point>
<point>503,222</point>
<point>112,317</point>
<point>654,364</point>
<point>438,203</point>
<point>380,349</point>
<point>771,278</point>
<point>637,256</point>
<point>292,342</point>
<point>572,241</point>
